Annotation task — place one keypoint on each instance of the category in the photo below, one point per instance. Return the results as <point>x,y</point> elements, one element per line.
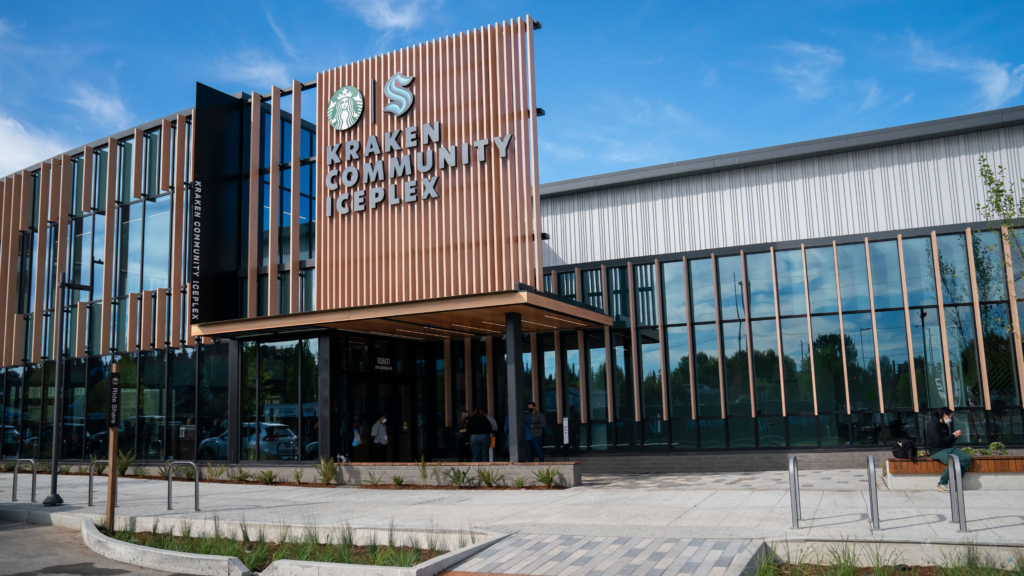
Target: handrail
<point>14,493</point>
<point>873,519</point>
<point>956,493</point>
<point>794,491</point>
<point>91,464</point>
<point>170,476</point>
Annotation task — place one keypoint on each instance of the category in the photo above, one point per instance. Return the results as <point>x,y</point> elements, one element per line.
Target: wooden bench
<point>984,473</point>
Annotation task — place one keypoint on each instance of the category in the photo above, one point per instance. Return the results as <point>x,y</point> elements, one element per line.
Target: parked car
<point>11,441</point>
<point>276,442</point>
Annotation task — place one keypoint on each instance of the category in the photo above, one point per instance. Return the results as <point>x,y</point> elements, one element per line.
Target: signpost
<point>113,418</point>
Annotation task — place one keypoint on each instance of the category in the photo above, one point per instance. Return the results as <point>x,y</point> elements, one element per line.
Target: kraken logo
<point>345,107</point>
<point>400,96</point>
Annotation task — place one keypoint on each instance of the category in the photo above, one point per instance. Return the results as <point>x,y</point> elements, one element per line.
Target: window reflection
<point>963,356</point>
<point>737,368</point>
<point>789,266</point>
<point>828,364</point>
<point>918,265</point>
<point>860,361</point>
<point>760,284</point>
<point>730,287</point>
<point>674,291</point>
<point>989,268</point>
<point>796,366</point>
<point>853,277</point>
<point>1000,359</point>
<point>702,290</point>
<point>679,373</point>
<point>953,271</point>
<point>885,274</point>
<point>821,280</point>
<point>597,376</point>
<point>767,392</point>
<point>894,363</point>
<point>646,309</point>
<point>709,400</point>
<point>929,366</point>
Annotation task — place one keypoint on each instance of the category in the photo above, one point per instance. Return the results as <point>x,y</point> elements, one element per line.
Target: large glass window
<point>860,361</point>
<point>737,368</point>
<point>618,286</point>
<point>597,376</point>
<point>821,280</point>
<point>152,370</point>
<point>310,369</point>
<point>181,402</point>
<point>789,266</point>
<point>963,355</point>
<point>1000,358</point>
<point>953,271</point>
<point>828,363</point>
<point>702,290</point>
<point>730,287</point>
<point>796,366</point>
<point>709,400</point>
<point>929,366</point>
<point>918,264</point>
<point>276,437</point>
<point>674,291</point>
<point>760,284</point>
<point>989,266</point>
<point>853,277</point>
<point>894,362</point>
<point>130,249</point>
<point>679,374</point>
<point>885,274</point>
<point>156,265</point>
<point>767,391</point>
<point>592,289</point>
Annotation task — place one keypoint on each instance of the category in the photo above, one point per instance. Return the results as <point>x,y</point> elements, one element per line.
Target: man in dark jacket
<point>941,443</point>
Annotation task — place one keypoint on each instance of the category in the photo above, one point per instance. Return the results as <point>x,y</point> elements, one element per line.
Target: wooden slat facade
<point>482,233</point>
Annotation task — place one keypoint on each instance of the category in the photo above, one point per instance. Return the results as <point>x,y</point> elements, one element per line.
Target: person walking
<point>464,451</point>
<point>535,424</point>
<point>379,440</point>
<point>479,429</point>
<point>941,443</point>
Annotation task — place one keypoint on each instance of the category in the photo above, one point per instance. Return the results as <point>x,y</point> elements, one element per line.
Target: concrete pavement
<point>830,510</point>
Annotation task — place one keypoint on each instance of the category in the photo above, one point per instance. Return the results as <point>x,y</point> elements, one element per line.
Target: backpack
<point>905,449</point>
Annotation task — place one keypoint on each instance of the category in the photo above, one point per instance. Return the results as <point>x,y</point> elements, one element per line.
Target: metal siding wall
<point>928,183</point>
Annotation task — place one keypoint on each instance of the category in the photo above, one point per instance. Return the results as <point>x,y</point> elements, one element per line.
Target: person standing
<point>480,430</point>
<point>941,443</point>
<point>464,451</point>
<point>535,424</point>
<point>379,440</point>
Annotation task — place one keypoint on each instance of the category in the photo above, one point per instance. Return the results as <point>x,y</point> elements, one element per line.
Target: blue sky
<point>624,84</point>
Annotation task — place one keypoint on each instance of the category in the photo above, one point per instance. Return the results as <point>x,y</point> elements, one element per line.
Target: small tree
<point>1004,207</point>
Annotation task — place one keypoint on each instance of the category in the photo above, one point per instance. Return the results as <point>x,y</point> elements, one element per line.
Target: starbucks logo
<point>345,107</point>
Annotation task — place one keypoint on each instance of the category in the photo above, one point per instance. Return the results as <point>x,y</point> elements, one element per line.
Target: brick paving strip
<point>540,555</point>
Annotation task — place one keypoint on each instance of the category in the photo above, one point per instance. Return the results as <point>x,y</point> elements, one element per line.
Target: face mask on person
<point>383,420</point>
<point>948,420</point>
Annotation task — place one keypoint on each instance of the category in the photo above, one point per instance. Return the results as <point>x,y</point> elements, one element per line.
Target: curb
<point>156,559</point>
<point>747,562</point>
<point>429,568</point>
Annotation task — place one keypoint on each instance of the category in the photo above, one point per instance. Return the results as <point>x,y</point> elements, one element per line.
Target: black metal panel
<point>328,421</point>
<point>234,399</point>
<point>214,229</point>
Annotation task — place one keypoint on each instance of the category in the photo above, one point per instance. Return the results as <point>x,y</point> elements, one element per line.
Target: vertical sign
<point>114,401</point>
<point>565,431</point>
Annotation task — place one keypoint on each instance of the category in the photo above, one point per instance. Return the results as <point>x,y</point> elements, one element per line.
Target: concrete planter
<point>156,559</point>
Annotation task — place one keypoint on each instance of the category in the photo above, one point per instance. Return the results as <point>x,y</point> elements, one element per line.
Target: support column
<point>327,422</point>
<point>234,399</point>
<point>514,353</point>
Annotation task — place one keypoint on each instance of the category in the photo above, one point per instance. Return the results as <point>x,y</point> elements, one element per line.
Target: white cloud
<point>254,71</point>
<point>561,151</point>
<point>389,14</point>
<point>21,147</point>
<point>873,94</point>
<point>810,70</point>
<point>905,99</point>
<point>285,44</point>
<point>105,109</point>
<point>997,83</point>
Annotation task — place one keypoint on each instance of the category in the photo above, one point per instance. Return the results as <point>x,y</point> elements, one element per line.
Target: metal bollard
<point>956,494</point>
<point>872,495</point>
<point>14,493</point>
<point>170,476</point>
<point>794,491</point>
<point>93,463</point>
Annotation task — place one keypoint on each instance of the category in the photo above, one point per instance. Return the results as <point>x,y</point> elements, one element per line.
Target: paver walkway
<point>774,480</point>
<point>582,556</point>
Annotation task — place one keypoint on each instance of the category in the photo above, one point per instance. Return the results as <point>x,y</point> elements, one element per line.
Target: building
<point>263,299</point>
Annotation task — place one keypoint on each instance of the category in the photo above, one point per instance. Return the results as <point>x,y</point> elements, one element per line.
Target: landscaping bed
<point>257,553</point>
<point>432,487</point>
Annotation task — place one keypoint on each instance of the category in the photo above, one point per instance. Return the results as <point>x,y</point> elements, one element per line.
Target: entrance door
<point>376,393</point>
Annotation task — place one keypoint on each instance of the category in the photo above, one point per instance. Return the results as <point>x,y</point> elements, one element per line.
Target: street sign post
<point>113,419</point>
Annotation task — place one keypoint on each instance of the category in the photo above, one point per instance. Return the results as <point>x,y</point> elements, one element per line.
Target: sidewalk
<point>667,508</point>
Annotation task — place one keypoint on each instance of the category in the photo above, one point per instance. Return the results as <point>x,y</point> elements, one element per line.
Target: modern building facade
<point>269,281</point>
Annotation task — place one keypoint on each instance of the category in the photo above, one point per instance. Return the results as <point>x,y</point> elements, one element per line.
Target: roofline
<point>969,123</point>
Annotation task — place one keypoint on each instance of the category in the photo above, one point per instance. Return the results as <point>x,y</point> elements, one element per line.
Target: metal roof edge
<point>786,152</point>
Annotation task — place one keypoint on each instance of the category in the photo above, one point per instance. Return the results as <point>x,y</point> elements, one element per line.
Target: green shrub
<point>124,462</point>
<point>297,475</point>
<point>422,465</point>
<point>374,480</point>
<point>42,467</point>
<point>187,472</point>
<point>458,478</point>
<point>325,470</point>
<point>9,465</point>
<point>98,468</point>
<point>163,470</point>
<point>519,482</point>
<point>241,475</point>
<point>547,476</point>
<point>215,473</point>
<point>64,469</point>
<point>266,477</point>
<point>488,477</point>
<point>138,470</point>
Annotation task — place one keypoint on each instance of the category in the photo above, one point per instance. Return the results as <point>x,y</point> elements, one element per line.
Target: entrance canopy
<point>437,319</point>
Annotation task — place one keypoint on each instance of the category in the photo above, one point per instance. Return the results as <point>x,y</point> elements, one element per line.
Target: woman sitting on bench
<point>941,443</point>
